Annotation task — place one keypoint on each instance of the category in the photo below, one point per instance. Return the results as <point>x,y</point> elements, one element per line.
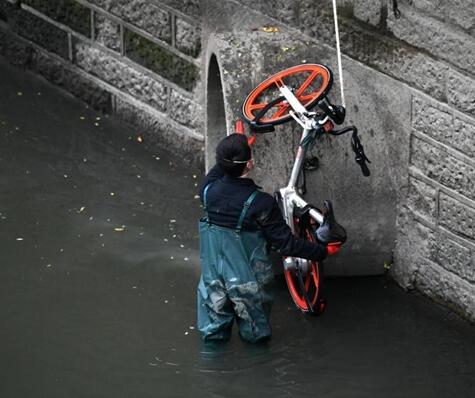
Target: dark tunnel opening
<point>216,116</point>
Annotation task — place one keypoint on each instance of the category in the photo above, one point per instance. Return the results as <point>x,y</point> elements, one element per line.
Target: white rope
<point>338,52</point>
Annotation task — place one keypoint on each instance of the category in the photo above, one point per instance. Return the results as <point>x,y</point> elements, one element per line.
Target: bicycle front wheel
<point>266,105</point>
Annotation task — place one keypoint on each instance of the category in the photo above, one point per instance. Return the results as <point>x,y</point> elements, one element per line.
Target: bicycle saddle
<point>330,231</point>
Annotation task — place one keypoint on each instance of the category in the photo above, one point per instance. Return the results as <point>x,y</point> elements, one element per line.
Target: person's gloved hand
<point>333,248</point>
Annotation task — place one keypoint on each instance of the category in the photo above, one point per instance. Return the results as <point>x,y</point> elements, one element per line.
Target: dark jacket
<point>225,199</point>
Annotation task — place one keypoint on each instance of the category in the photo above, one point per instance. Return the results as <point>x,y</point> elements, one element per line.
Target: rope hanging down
<point>338,52</point>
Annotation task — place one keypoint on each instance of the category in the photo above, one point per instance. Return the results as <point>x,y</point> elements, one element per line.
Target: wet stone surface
<point>99,264</point>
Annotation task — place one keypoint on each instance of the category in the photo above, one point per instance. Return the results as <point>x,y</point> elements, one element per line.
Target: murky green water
<point>98,270</point>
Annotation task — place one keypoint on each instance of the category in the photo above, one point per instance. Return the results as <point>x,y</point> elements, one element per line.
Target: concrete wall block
<point>261,6</point>
<point>73,81</point>
<point>462,13</point>
<point>16,52</point>
<point>188,37</point>
<point>419,70</point>
<point>286,11</point>
<point>409,260</point>
<point>458,12</point>
<point>457,216</point>
<point>464,137</point>
<point>144,15</point>
<point>434,36</point>
<point>6,9</point>
<point>184,110</point>
<point>161,61</point>
<point>158,131</point>
<point>447,288</point>
<point>454,257</point>
<point>188,7</point>
<point>67,12</point>
<point>461,91</point>
<point>368,11</point>
<point>121,75</point>
<point>444,168</point>
<point>439,123</point>
<point>40,32</point>
<point>315,22</point>
<point>429,5</point>
<point>107,32</point>
<point>422,199</point>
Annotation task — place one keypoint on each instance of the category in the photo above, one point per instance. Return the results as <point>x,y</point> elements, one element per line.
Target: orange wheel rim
<point>312,282</point>
<point>310,81</point>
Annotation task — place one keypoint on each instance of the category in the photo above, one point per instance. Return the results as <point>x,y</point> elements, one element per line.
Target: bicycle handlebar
<point>357,146</point>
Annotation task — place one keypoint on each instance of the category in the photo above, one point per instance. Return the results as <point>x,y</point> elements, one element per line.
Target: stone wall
<point>416,101</point>
<point>136,59</point>
<point>179,70</point>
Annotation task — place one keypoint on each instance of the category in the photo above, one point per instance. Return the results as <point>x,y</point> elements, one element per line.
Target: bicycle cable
<point>338,52</point>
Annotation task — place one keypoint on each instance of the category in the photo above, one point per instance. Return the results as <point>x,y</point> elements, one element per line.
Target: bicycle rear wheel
<point>306,290</point>
<point>265,103</point>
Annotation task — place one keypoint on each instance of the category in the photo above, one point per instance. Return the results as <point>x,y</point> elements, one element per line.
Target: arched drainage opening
<point>216,116</point>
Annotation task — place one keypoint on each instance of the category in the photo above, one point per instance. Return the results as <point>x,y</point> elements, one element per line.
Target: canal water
<point>98,270</point>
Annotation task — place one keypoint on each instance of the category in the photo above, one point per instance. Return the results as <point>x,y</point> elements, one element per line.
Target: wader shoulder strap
<point>205,204</point>
<point>247,203</point>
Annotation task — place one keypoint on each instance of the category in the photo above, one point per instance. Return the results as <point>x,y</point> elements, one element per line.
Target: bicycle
<point>287,95</point>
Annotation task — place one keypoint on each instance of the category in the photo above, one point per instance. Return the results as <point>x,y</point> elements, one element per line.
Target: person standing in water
<point>240,224</point>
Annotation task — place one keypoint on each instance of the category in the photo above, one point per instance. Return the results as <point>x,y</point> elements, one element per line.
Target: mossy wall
<point>161,61</point>
<point>67,12</point>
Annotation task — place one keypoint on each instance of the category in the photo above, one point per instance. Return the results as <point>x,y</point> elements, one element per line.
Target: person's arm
<point>214,173</point>
<point>278,233</point>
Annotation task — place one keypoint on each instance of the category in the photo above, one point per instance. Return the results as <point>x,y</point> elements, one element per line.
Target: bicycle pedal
<point>311,163</point>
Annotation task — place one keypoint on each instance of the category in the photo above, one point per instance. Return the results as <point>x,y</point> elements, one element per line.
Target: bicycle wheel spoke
<point>307,83</point>
<point>253,107</point>
<point>307,97</point>
<point>281,111</point>
<point>307,280</point>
